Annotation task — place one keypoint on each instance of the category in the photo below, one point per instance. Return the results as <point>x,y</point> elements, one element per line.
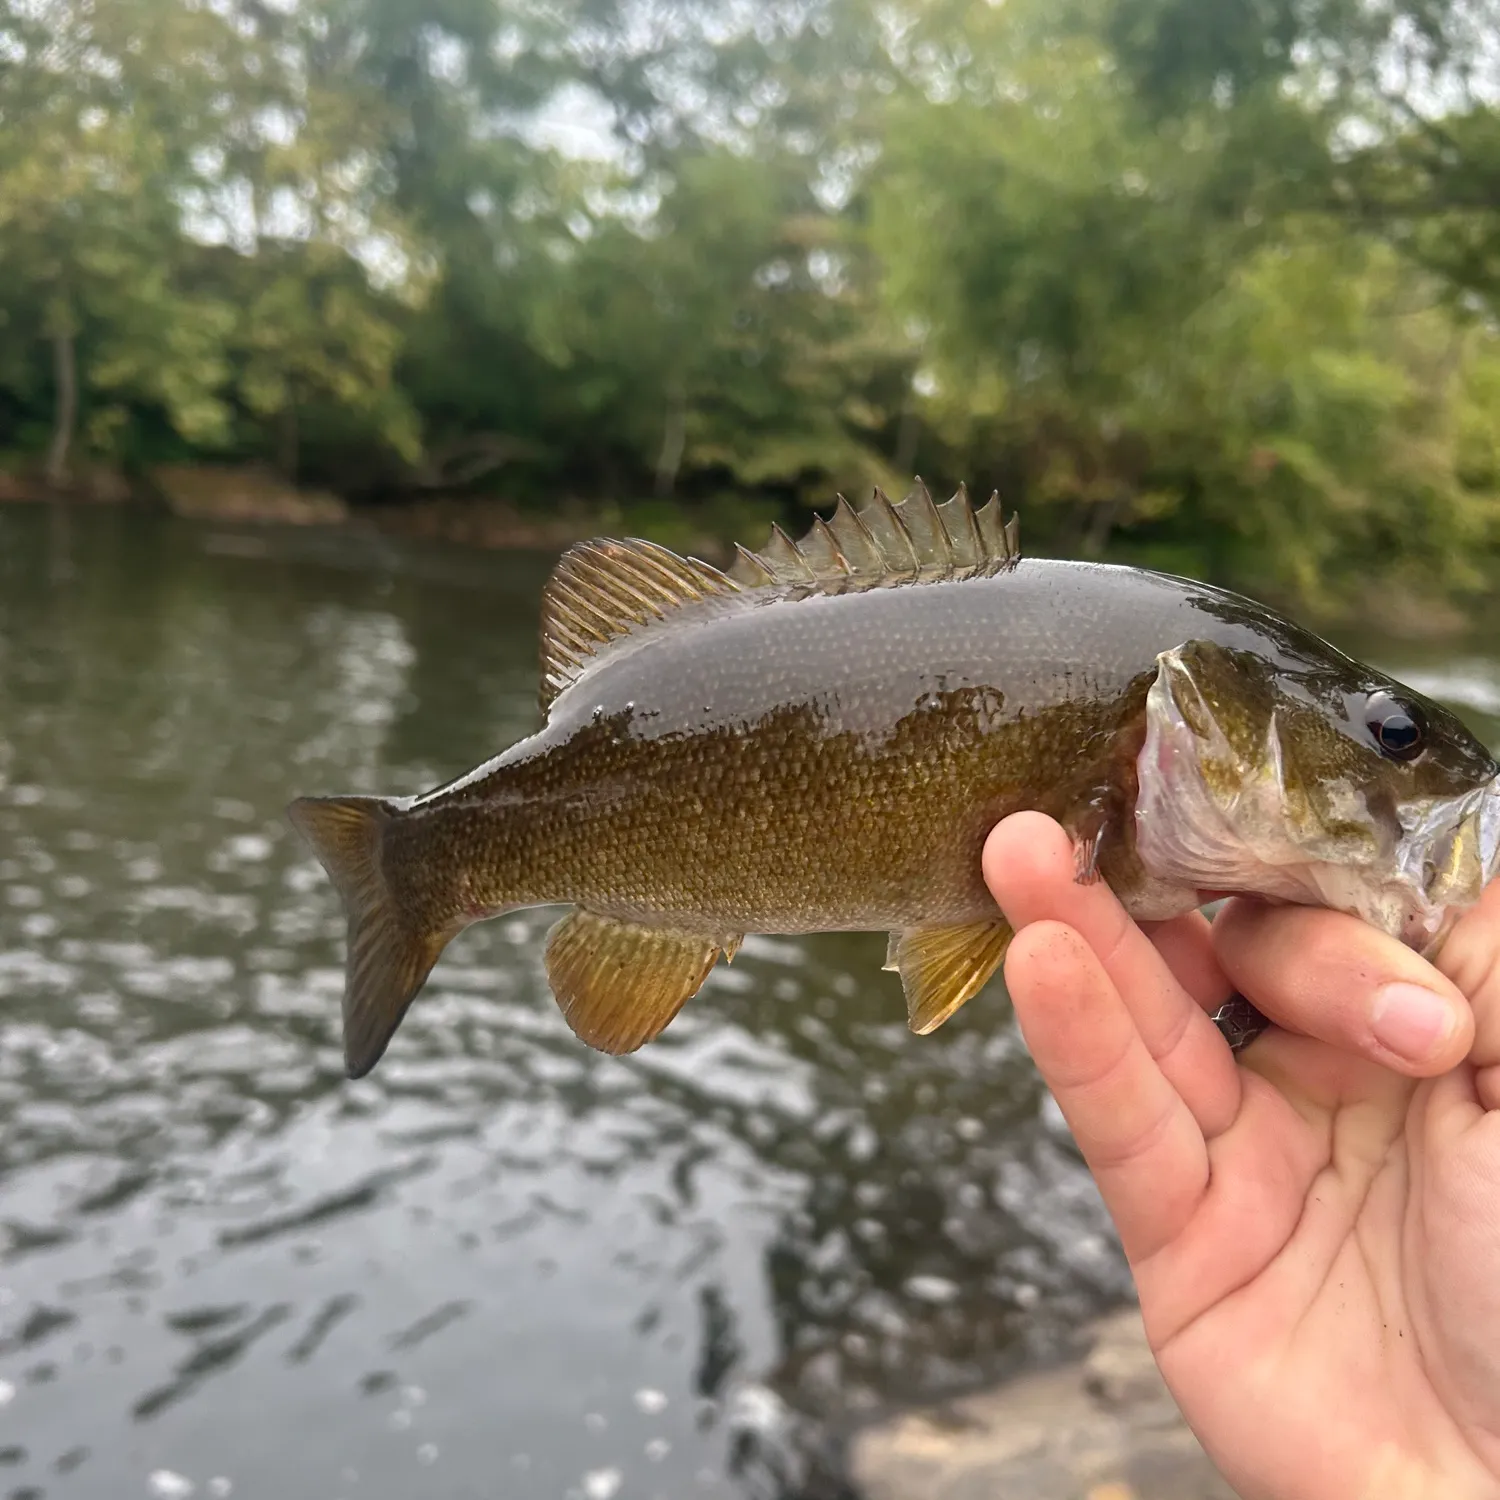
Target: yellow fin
<point>387,962</point>
<point>618,983</point>
<point>941,967</point>
<point>601,590</point>
<point>882,544</point>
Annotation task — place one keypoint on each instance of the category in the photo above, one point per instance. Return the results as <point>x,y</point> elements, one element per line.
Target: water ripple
<point>786,1206</point>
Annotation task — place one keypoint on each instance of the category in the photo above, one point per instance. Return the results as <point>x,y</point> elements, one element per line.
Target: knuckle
<point>1133,1140</point>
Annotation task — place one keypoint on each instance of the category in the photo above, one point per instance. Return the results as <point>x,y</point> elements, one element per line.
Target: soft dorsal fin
<point>601,590</point>
<point>885,543</point>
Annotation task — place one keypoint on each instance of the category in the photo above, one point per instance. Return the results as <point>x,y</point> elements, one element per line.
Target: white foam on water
<point>602,1484</point>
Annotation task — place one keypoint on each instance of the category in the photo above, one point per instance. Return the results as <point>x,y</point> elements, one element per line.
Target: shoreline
<point>246,496</point>
<point>1100,1427</point>
<point>251,497</point>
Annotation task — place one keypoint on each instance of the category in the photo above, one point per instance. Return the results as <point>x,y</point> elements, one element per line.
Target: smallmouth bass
<point>821,737</point>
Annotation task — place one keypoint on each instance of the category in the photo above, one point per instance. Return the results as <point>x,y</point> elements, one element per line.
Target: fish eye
<point>1400,732</point>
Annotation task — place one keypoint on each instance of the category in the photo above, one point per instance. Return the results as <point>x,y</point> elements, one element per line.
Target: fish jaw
<point>1449,851</point>
<point>1204,819</point>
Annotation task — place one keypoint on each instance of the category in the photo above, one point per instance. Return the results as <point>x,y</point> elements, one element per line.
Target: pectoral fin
<point>619,984</point>
<point>1086,855</point>
<point>941,967</point>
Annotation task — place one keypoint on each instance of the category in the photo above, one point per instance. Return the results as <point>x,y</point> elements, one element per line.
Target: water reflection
<point>503,1264</point>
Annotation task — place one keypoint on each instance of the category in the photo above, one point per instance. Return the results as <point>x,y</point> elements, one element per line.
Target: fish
<point>821,736</point>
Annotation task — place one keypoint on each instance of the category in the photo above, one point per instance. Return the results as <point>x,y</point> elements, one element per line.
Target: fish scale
<point>822,738</point>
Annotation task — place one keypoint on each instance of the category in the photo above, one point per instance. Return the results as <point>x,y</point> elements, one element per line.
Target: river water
<point>504,1265</point>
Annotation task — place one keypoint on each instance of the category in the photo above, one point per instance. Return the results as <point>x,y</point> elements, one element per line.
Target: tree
<point>1401,96</point>
<point>88,161</point>
<point>1128,314</point>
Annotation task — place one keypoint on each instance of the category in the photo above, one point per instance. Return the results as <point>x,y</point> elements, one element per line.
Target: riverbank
<point>1100,1428</point>
<point>249,496</point>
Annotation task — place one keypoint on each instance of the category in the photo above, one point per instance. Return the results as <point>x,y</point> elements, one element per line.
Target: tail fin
<point>388,960</point>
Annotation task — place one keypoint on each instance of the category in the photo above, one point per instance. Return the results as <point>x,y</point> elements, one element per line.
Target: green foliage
<point>1210,282</point>
<point>1335,384</point>
<point>1134,318</point>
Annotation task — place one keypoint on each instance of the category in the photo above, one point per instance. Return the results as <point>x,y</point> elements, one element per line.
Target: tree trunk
<point>1074,527</point>
<point>907,432</point>
<point>673,441</point>
<point>65,377</point>
<point>1101,523</point>
<point>288,456</point>
<point>60,539</point>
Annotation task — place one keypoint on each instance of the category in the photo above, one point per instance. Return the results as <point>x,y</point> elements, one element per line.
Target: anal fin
<point>942,967</point>
<point>618,983</point>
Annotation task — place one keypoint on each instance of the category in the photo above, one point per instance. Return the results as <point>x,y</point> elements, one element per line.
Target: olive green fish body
<point>809,765</point>
<point>779,754</point>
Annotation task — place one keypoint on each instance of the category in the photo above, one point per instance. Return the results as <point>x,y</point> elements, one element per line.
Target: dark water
<point>504,1266</point>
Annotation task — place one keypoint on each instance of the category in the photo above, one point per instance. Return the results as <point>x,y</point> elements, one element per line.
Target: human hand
<point>1314,1232</point>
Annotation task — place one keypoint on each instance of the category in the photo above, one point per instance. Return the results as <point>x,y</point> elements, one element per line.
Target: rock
<point>1104,1428</point>
<point>101,484</point>
<point>1120,1371</point>
<point>93,483</point>
<point>204,492</point>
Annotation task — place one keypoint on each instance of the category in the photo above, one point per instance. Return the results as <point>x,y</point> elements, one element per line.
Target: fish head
<point>1316,780</point>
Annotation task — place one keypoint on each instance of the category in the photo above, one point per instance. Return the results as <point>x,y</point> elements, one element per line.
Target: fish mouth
<point>1449,850</point>
<point>1208,819</point>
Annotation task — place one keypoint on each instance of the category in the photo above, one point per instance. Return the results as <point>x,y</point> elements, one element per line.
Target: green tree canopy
<point>1210,281</point>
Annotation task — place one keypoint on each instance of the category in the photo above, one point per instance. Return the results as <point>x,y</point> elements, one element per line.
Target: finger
<point>1471,959</point>
<point>1186,945</point>
<point>1134,1129</point>
<point>1029,865</point>
<point>1333,977</point>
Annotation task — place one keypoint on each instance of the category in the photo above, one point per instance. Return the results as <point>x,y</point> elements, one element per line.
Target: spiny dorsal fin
<point>601,590</point>
<point>883,544</point>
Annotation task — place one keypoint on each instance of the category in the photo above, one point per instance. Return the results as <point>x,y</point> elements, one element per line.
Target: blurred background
<point>1205,284</point>
<point>1211,279</point>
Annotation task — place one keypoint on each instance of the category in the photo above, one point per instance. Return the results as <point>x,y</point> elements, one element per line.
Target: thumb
<point>1471,959</point>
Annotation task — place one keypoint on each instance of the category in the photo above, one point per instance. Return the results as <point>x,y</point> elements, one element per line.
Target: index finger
<point>1139,1138</point>
<point>1029,865</point>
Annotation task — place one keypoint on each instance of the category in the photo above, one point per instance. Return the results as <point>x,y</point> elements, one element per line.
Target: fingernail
<point>1411,1021</point>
